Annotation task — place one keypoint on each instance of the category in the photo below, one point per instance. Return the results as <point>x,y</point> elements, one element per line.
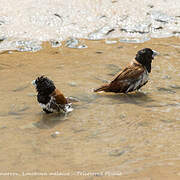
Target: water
<point>134,135</point>
<point>130,21</point>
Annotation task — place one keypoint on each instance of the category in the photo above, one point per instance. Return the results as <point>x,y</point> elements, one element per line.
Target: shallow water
<point>134,135</point>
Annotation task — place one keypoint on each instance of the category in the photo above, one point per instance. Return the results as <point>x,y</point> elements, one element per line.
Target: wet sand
<point>134,136</point>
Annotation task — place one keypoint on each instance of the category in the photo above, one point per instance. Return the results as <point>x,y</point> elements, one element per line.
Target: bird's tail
<point>102,88</point>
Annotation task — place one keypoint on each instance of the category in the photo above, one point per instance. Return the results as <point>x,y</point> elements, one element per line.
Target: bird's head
<point>44,85</point>
<point>145,57</point>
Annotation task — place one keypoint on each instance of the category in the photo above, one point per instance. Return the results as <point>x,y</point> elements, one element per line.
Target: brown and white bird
<point>134,76</point>
<point>49,97</point>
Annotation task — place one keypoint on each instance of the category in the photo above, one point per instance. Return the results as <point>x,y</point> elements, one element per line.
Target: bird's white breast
<point>48,105</point>
<point>140,81</point>
<point>64,108</point>
<point>145,77</point>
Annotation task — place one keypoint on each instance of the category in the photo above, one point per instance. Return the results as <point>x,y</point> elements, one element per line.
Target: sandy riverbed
<point>135,136</point>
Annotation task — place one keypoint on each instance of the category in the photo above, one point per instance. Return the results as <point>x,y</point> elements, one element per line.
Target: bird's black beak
<point>155,53</point>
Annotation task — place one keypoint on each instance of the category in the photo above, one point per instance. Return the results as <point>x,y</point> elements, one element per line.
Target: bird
<point>49,97</point>
<point>133,76</point>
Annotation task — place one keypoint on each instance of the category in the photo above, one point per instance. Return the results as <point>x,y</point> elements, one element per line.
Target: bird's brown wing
<point>59,97</point>
<point>127,76</point>
<point>130,72</point>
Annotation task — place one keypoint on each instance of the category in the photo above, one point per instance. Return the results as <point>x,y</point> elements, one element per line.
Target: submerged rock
<point>174,86</point>
<point>122,116</point>
<point>72,84</point>
<point>55,43</point>
<point>99,52</point>
<point>117,152</point>
<point>55,134</point>
<point>74,43</point>
<point>142,28</point>
<point>3,127</point>
<point>27,45</point>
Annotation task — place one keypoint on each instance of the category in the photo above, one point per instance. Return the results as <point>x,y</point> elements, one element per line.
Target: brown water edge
<point>134,136</point>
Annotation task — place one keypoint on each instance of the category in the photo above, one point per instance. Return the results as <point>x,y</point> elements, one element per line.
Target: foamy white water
<point>45,20</point>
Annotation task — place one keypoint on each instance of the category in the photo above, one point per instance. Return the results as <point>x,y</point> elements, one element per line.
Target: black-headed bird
<point>134,76</point>
<point>49,97</point>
